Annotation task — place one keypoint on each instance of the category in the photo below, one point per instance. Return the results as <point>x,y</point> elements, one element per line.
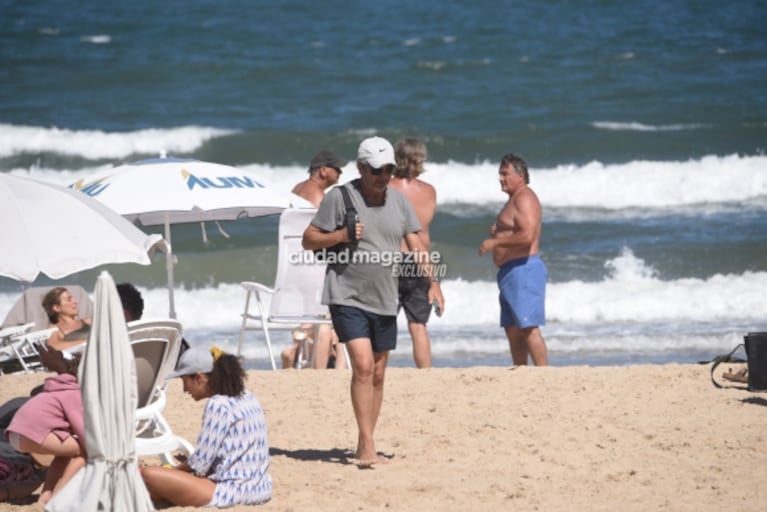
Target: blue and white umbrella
<point>166,191</point>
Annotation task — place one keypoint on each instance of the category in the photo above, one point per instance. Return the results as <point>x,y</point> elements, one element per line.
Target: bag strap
<point>725,358</point>
<point>350,209</point>
<point>347,200</point>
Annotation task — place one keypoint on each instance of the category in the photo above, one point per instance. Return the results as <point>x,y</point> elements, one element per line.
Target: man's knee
<point>363,368</point>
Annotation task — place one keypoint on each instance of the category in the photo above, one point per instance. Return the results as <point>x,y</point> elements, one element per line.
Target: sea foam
<point>96,144</point>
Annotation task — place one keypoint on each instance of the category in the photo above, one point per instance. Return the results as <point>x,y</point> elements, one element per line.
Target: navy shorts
<point>414,298</point>
<point>351,323</point>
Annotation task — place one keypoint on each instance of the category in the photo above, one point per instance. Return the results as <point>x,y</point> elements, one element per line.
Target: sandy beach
<point>634,438</point>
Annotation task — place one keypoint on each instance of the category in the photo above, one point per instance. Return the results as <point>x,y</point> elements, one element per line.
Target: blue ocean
<point>644,125</point>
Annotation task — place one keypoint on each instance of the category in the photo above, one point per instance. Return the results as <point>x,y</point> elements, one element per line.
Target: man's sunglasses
<point>377,171</point>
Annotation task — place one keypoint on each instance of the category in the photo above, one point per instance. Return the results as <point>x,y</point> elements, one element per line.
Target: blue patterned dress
<point>233,451</point>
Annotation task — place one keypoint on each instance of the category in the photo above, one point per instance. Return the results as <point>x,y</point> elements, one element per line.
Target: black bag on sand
<point>756,355</point>
<point>755,344</point>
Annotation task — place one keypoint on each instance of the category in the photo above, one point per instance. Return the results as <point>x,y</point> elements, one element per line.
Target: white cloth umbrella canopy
<point>50,229</point>
<point>166,191</point>
<point>110,480</point>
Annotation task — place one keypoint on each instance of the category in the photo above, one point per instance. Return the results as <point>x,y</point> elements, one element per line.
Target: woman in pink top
<point>52,423</point>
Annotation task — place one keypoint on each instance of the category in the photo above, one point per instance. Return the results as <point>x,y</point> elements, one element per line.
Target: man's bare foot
<point>367,461</point>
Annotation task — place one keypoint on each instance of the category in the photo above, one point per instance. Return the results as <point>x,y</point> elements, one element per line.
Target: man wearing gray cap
<point>361,284</point>
<point>324,171</point>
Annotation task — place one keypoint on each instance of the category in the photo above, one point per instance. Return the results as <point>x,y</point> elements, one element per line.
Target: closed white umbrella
<point>166,191</point>
<point>50,229</point>
<point>110,480</point>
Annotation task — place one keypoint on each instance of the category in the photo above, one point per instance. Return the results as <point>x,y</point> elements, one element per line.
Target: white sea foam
<point>636,184</point>
<point>641,127</point>
<point>698,187</point>
<point>630,294</point>
<point>95,144</point>
<point>618,319</point>
<point>97,39</point>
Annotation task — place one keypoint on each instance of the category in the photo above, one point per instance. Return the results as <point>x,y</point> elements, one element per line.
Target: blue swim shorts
<point>351,323</point>
<point>522,283</point>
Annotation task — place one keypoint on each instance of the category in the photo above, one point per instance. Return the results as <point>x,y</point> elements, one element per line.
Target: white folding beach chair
<point>18,353</point>
<point>156,345</point>
<point>296,296</point>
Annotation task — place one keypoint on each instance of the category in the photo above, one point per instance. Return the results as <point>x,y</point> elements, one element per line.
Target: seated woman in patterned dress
<point>230,464</point>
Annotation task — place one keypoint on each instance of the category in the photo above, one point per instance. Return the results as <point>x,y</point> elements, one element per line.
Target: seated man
<point>325,169</point>
<point>316,337</point>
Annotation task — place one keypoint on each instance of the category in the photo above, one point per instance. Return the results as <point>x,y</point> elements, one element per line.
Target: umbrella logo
<point>193,181</point>
<point>96,187</point>
<point>92,189</point>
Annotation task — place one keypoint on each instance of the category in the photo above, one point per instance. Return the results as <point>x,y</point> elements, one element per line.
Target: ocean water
<point>644,127</point>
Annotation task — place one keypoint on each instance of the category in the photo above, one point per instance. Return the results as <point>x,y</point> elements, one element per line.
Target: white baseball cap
<point>376,152</point>
<point>193,360</point>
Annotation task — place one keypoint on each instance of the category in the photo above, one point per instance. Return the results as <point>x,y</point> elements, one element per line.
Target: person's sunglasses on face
<point>377,171</point>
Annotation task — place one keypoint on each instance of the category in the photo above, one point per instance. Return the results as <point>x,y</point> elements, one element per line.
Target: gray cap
<point>193,360</point>
<point>328,159</point>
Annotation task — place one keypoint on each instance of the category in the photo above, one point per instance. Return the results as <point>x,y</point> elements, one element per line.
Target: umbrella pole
<point>169,256</point>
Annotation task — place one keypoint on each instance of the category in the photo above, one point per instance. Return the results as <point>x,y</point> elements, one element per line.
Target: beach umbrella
<point>165,191</point>
<point>110,479</point>
<point>50,229</point>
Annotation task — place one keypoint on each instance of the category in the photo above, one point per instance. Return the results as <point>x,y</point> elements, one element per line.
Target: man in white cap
<point>361,282</point>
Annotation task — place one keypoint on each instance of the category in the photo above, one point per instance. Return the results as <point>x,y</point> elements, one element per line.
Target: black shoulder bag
<point>755,344</point>
<point>333,254</point>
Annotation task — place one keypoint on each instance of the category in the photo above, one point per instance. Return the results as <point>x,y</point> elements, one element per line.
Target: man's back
<point>310,191</point>
<point>413,287</point>
<point>423,197</point>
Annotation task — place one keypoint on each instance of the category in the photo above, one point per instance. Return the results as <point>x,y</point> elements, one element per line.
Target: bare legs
<point>524,342</point>
<point>68,459</point>
<point>421,344</point>
<point>323,348</point>
<point>178,486</point>
<point>368,369</point>
<point>315,343</point>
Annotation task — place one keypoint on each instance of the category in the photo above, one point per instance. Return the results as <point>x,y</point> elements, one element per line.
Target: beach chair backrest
<point>29,307</point>
<point>299,280</point>
<point>156,344</point>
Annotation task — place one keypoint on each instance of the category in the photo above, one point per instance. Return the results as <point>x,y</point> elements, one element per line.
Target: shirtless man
<point>514,240</point>
<point>413,289</point>
<point>325,169</point>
